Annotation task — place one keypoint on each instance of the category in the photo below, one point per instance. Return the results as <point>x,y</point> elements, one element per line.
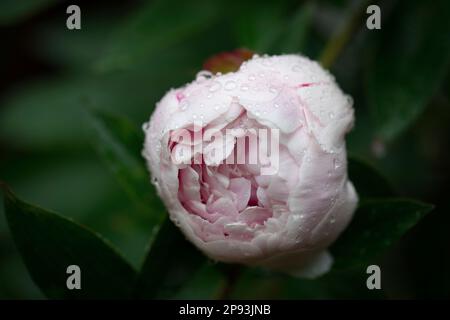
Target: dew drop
<point>337,164</point>
<point>215,86</point>
<point>267,62</point>
<point>349,100</point>
<point>331,115</point>
<point>184,105</point>
<point>297,68</point>
<point>203,75</point>
<point>276,105</point>
<point>230,85</point>
<point>251,78</point>
<point>244,87</point>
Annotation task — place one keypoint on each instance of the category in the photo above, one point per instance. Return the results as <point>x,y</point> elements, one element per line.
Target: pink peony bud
<point>252,164</point>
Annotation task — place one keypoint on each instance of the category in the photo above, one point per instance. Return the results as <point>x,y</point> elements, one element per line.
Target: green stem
<point>343,35</point>
<point>232,274</point>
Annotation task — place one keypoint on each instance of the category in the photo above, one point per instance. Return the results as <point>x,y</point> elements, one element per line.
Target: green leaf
<point>206,283</point>
<point>76,51</point>
<point>294,38</point>
<point>409,65</point>
<point>376,225</point>
<point>49,243</point>
<point>119,143</point>
<point>368,182</point>
<point>44,114</point>
<point>171,262</point>
<point>12,10</point>
<point>154,27</point>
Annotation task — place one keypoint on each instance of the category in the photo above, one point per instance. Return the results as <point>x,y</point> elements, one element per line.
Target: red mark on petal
<point>306,84</point>
<point>180,96</point>
<point>310,84</point>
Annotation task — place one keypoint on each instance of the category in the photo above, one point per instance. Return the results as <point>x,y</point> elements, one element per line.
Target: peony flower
<point>251,165</point>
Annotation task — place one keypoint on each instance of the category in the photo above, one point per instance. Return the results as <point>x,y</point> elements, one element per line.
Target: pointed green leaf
<point>376,225</point>
<point>119,143</point>
<point>50,243</point>
<point>171,262</point>
<point>369,183</point>
<point>409,65</point>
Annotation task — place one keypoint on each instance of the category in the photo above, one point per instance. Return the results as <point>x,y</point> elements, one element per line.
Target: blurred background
<point>129,53</point>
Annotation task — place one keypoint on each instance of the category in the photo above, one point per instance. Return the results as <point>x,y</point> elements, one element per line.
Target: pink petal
<point>241,187</point>
<point>255,215</point>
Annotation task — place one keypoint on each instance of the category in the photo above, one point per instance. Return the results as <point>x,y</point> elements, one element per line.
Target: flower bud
<point>251,165</point>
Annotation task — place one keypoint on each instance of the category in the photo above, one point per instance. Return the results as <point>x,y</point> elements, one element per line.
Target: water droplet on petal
<point>203,75</point>
<point>184,105</point>
<point>350,100</point>
<point>337,163</point>
<point>244,87</point>
<point>230,85</point>
<point>331,115</point>
<point>215,86</point>
<point>267,62</point>
<point>297,68</point>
